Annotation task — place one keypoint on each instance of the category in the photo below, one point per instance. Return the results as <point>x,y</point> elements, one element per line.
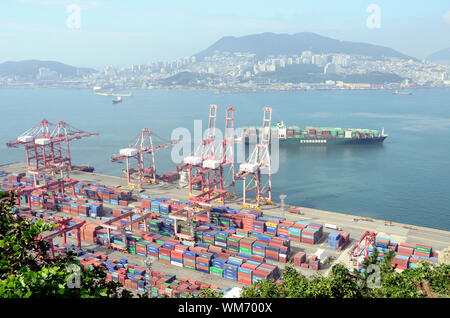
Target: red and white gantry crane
<point>47,146</point>
<point>138,150</point>
<point>258,167</point>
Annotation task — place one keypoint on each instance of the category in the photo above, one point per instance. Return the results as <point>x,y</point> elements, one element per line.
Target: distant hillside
<point>313,74</point>
<point>265,44</point>
<point>442,56</point>
<point>186,78</point>
<point>30,68</point>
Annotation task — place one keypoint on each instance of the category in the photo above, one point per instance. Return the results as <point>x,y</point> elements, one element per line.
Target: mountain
<point>442,56</point>
<point>30,68</point>
<point>265,44</point>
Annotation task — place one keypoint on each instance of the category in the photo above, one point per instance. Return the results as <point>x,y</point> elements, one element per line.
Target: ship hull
<point>328,141</point>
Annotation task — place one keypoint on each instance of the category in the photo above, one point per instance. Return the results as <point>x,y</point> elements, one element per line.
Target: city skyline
<point>140,32</point>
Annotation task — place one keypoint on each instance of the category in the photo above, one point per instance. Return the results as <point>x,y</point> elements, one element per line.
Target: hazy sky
<point>113,32</point>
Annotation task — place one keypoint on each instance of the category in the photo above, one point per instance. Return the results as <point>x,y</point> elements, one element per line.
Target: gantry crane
<point>47,146</point>
<point>59,185</point>
<point>218,168</point>
<point>193,164</point>
<point>258,165</point>
<point>188,214</point>
<point>61,230</point>
<point>213,162</point>
<point>137,150</point>
<point>360,250</point>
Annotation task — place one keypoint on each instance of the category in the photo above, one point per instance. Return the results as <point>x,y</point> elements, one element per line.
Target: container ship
<point>314,136</point>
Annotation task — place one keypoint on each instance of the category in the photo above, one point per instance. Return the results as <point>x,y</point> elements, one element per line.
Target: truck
<point>333,226</point>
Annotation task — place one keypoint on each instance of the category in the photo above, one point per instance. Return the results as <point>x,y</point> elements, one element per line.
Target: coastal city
<point>237,71</point>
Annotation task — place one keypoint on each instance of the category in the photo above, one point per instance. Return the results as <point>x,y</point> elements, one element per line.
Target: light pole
<point>282,198</point>
<point>148,262</point>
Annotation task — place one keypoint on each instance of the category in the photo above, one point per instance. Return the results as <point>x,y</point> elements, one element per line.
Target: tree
<point>26,269</point>
<point>424,281</point>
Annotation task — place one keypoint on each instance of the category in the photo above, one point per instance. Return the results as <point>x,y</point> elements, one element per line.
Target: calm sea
<point>405,180</point>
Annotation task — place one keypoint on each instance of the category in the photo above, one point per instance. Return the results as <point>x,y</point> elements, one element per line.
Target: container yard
<point>196,237</point>
<point>235,247</point>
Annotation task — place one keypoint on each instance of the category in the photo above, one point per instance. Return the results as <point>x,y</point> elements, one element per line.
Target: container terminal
<point>160,235</point>
<point>355,226</point>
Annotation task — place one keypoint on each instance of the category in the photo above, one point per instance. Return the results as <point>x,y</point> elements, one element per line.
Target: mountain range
<point>30,68</point>
<point>442,56</point>
<point>265,44</point>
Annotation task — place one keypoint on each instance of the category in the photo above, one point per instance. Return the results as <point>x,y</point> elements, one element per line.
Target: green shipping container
<point>245,250</point>
<point>422,249</point>
<point>216,270</point>
<point>189,266</point>
<point>164,257</point>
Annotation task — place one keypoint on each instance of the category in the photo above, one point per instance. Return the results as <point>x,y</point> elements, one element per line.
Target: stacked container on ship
<point>313,136</point>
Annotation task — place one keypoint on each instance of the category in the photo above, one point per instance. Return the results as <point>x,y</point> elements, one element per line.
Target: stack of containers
<point>230,271</point>
<point>233,243</point>
<point>154,206</point>
<point>164,254</point>
<point>273,253</point>
<point>220,239</point>
<point>153,249</point>
<point>314,263</point>
<point>203,262</point>
<point>245,273</point>
<point>164,208</point>
<point>405,249</point>
<point>258,226</point>
<point>259,248</point>
<point>345,239</point>
<point>247,221</point>
<point>217,266</point>
<point>265,271</point>
<point>310,235</point>
<point>189,259</point>
<point>401,261</point>
<point>245,246</point>
<point>176,257</point>
<point>422,250</point>
<point>316,226</point>
<point>141,247</point>
<point>283,230</point>
<point>209,237</point>
<point>236,261</point>
<point>295,233</point>
<point>272,226</point>
<point>335,240</point>
<point>299,258</point>
<point>382,242</point>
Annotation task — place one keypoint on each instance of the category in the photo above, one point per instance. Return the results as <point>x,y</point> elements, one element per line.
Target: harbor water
<point>405,180</point>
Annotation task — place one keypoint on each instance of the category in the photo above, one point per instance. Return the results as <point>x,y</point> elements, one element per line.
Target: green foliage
<point>207,293</point>
<point>424,281</point>
<point>26,270</point>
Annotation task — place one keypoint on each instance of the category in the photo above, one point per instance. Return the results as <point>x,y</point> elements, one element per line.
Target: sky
<point>124,32</point>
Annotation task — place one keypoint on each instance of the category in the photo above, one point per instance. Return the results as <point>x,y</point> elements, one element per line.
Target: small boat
<point>401,93</point>
<point>85,168</point>
<point>117,100</point>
